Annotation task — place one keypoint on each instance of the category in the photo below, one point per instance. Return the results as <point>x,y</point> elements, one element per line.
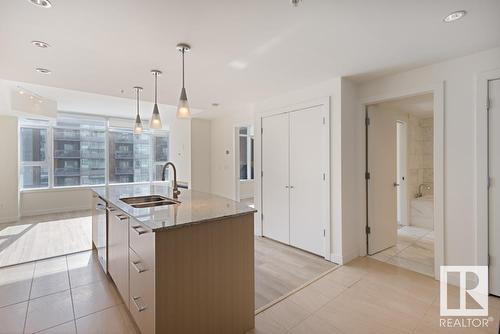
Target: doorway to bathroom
<point>400,182</point>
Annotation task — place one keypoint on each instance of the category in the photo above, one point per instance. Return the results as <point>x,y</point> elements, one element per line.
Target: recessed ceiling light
<point>41,3</point>
<point>455,16</point>
<point>43,70</point>
<point>40,44</point>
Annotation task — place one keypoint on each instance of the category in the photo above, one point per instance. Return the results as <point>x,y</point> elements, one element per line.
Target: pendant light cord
<point>183,50</point>
<point>137,101</point>
<point>156,88</point>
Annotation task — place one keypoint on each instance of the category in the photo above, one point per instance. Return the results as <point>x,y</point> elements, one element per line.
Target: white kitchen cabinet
<point>295,189</point>
<point>118,251</point>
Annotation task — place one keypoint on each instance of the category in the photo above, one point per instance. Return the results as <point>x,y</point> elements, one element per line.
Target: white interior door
<point>275,180</point>
<point>494,190</point>
<point>402,147</point>
<point>382,201</point>
<point>307,205</point>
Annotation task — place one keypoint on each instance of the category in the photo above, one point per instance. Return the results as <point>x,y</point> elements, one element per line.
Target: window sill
<point>58,189</point>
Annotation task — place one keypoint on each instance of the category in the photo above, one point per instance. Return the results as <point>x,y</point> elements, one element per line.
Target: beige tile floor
<point>414,250</point>
<point>365,296</point>
<point>41,237</point>
<point>61,295</point>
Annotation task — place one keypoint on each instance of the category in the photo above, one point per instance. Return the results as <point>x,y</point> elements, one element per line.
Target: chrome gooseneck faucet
<point>176,191</point>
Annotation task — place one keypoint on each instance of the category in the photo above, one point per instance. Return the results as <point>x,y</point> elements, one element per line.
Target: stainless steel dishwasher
<point>100,231</point>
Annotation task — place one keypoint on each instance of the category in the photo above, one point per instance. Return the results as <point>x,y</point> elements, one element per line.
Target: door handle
<point>396,184</point>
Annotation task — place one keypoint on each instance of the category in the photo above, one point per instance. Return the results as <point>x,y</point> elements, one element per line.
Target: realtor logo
<point>473,283</point>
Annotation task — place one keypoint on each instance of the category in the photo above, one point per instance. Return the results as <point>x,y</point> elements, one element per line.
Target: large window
<point>129,157</point>
<point>34,165</point>
<point>161,154</point>
<point>77,151</point>
<point>246,153</point>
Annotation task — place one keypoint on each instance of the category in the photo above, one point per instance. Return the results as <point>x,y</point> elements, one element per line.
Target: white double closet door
<point>294,181</point>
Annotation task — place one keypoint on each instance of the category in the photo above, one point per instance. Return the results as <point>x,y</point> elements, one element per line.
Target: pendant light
<point>155,122</point>
<point>183,107</point>
<point>138,123</point>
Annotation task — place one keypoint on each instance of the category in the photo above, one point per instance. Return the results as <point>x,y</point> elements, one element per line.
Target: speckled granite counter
<point>195,207</point>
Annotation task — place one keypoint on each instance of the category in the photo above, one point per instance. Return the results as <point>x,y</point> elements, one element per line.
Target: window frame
<point>50,160</point>
<point>46,162</point>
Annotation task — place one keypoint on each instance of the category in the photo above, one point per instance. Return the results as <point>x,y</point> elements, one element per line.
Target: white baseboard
<point>6,220</point>
<point>344,258</point>
<point>336,258</point>
<point>29,213</point>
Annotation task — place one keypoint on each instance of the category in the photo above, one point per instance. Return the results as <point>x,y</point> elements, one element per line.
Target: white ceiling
<point>243,51</point>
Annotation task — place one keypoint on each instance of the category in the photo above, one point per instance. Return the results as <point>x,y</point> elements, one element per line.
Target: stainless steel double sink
<point>148,201</point>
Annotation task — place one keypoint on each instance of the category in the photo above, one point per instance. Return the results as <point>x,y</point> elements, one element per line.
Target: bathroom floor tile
<point>414,250</point>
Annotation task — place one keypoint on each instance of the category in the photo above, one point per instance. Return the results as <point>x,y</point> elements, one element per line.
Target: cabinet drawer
<point>142,241</point>
<point>142,293</point>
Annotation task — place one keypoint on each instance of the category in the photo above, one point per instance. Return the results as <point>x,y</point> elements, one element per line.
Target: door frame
<point>236,162</point>
<point>325,103</point>
<point>438,105</point>
<point>481,164</point>
<point>403,195</point>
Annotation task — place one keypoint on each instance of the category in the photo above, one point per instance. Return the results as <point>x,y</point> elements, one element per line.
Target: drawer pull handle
<point>136,264</point>
<point>122,217</point>
<point>141,307</point>
<point>139,229</point>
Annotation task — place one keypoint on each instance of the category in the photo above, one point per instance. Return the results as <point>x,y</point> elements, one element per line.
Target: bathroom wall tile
<point>427,147</point>
<point>427,161</point>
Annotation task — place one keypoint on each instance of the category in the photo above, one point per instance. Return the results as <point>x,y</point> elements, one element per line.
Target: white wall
<point>459,76</point>
<point>223,173</point>
<point>352,179</point>
<point>180,145</point>
<point>9,210</point>
<point>200,155</point>
<point>44,201</point>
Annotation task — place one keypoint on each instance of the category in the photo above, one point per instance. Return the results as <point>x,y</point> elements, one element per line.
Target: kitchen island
<point>182,265</point>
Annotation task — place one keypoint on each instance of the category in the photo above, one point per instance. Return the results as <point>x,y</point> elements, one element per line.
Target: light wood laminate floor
<point>45,236</point>
<point>279,269</point>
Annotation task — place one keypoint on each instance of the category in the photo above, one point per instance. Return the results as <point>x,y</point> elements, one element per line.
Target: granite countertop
<point>195,207</point>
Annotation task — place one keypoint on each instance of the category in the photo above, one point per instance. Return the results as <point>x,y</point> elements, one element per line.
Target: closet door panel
<point>307,207</point>
<point>275,181</point>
